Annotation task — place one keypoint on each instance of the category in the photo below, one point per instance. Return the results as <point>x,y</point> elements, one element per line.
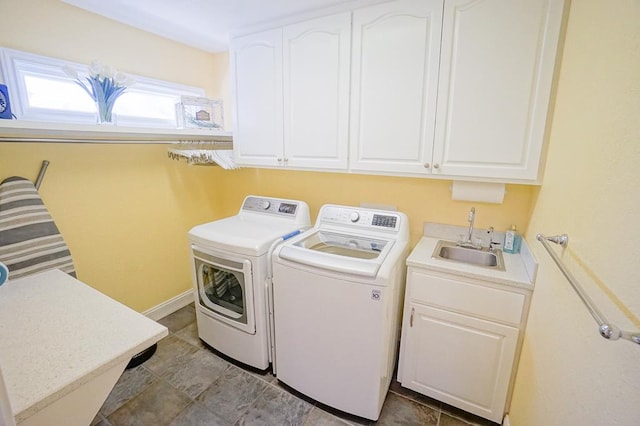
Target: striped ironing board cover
<point>30,241</point>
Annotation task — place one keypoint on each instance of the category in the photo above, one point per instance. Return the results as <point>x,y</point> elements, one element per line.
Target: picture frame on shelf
<point>200,113</point>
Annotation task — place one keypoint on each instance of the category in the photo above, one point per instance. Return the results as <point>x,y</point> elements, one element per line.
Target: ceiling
<point>205,24</point>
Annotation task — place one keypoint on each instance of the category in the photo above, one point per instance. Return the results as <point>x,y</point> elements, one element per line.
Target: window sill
<point>31,131</point>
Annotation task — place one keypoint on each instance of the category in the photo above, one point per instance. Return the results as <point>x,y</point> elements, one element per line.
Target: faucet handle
<point>492,244</point>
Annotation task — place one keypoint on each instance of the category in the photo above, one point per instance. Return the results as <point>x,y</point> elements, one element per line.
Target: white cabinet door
<point>396,47</point>
<point>496,73</point>
<point>316,92</point>
<point>256,70</point>
<point>460,360</point>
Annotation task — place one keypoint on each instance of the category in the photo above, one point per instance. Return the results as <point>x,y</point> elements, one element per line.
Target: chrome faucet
<point>471,219</point>
<point>468,243</point>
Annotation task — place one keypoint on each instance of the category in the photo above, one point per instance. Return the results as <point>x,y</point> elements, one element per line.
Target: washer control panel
<point>360,217</point>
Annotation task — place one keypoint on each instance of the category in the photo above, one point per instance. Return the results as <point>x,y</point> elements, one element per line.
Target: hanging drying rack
<point>204,153</point>
<point>607,329</point>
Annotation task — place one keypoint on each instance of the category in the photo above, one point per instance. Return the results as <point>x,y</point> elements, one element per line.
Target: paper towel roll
<point>478,191</point>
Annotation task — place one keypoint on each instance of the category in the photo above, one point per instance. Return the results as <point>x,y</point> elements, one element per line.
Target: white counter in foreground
<point>63,346</point>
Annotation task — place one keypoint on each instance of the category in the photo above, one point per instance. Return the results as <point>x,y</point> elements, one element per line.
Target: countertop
<point>520,269</point>
<point>57,333</point>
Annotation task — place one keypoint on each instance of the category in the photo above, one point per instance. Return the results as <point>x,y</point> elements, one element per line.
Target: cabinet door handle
<point>279,159</point>
<point>436,166</point>
<point>427,165</point>
<point>413,310</point>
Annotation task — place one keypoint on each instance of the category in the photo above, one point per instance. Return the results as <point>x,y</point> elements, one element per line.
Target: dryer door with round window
<point>225,289</point>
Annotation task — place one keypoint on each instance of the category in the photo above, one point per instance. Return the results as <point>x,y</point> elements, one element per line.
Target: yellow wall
<point>423,200</point>
<point>125,209</point>
<point>568,374</point>
<point>54,28</point>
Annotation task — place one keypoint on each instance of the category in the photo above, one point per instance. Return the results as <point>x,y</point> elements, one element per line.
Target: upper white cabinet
<point>316,92</point>
<point>458,88</point>
<point>256,70</point>
<point>292,95</point>
<point>496,71</point>
<point>396,49</point>
<point>441,88</point>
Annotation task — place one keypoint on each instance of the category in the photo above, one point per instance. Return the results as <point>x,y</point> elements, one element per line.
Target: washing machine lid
<point>241,235</point>
<point>347,253</point>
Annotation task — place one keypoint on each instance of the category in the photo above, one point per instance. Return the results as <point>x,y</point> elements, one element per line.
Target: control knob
<point>266,204</point>
<point>354,217</point>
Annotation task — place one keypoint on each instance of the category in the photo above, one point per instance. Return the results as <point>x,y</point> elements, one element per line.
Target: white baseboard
<point>505,421</point>
<point>170,306</point>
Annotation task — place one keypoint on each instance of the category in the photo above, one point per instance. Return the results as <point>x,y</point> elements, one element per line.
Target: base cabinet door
<point>460,360</point>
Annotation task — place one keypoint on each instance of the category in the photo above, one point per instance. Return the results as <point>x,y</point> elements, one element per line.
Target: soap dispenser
<point>512,241</point>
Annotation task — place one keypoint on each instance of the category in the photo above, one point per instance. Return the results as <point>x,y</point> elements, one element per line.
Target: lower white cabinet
<point>460,340</point>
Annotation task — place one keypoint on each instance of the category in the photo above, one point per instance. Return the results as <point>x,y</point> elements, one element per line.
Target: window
<point>41,91</point>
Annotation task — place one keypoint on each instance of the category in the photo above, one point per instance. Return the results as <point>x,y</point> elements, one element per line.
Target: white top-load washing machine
<point>337,293</point>
<point>230,264</point>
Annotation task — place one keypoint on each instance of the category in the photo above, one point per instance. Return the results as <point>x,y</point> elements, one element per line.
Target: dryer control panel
<point>274,206</point>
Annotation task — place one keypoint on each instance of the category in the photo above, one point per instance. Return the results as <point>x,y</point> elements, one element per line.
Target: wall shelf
<point>31,131</point>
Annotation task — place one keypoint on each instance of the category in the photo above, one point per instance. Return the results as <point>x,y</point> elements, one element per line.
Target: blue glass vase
<point>105,113</point>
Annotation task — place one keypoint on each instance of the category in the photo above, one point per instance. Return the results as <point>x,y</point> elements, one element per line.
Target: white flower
<point>104,84</point>
<point>119,78</point>
<point>107,72</point>
<point>95,68</point>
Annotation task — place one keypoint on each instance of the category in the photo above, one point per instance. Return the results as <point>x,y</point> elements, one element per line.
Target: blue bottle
<point>512,241</point>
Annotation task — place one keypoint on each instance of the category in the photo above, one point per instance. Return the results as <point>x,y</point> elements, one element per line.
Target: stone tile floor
<point>188,383</point>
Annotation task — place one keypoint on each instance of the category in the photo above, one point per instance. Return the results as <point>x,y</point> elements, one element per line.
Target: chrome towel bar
<point>607,330</point>
<point>43,170</point>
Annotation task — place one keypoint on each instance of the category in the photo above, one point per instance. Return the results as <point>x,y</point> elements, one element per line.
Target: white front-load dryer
<point>337,293</point>
<point>230,261</point>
